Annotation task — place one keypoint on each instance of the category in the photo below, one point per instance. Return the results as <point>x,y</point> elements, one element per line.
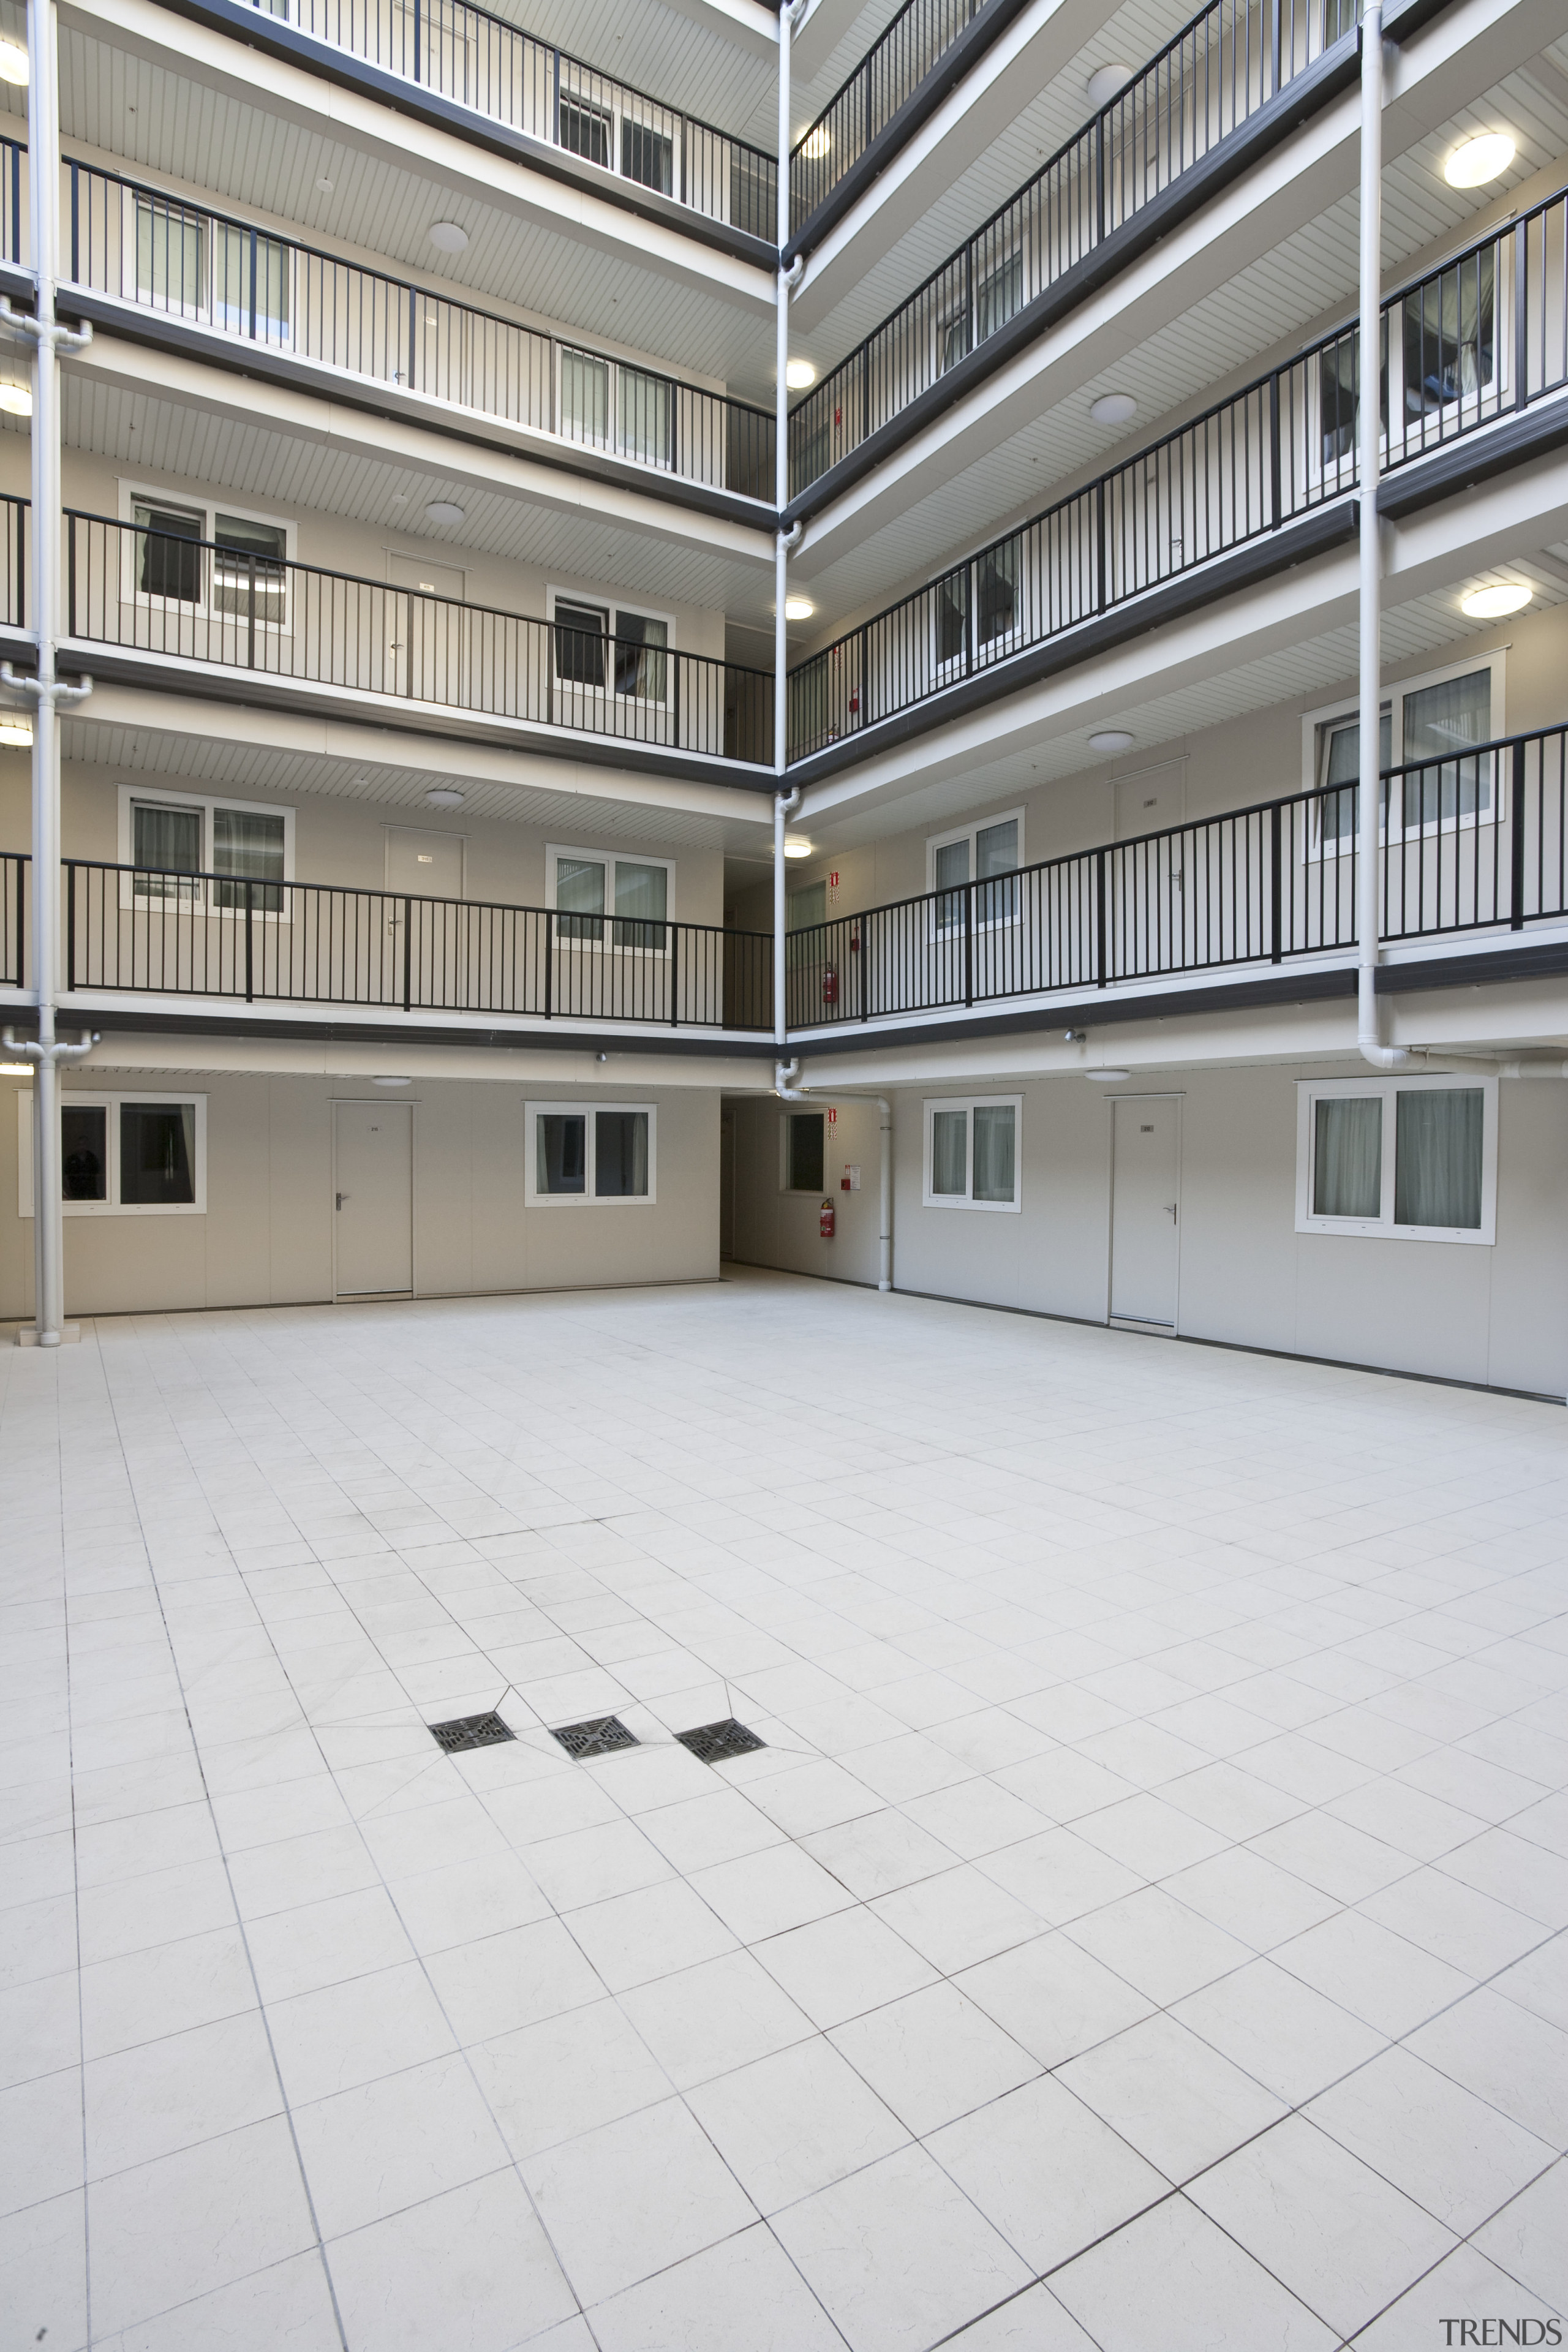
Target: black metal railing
<point>190,264</point>
<point>156,933</point>
<point>1224,65</point>
<point>14,514</point>
<point>144,587</point>
<point>889,74</point>
<point>1482,337</point>
<point>14,949</point>
<point>475,60</point>
<point>1474,842</point>
<point>11,155</point>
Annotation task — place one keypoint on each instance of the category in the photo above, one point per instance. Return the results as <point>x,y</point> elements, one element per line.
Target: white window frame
<point>970,1104</point>
<point>615,607</point>
<point>204,310</point>
<point>75,1099</point>
<point>807,1110</point>
<point>135,494</point>
<point>970,833</point>
<point>208,802</point>
<point>1391,828</point>
<point>607,858</point>
<point>587,1199</point>
<point>1309,1092</point>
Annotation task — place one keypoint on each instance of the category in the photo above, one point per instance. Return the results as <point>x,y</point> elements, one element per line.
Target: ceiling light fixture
<point>796,845</point>
<point>14,66</point>
<point>817,142</point>
<point>16,399</point>
<point>1111,738</point>
<point>798,608</point>
<point>1108,1077</point>
<point>1104,83</point>
<point>799,374</point>
<point>16,1069</point>
<point>324,187</point>
<point>443,796</point>
<point>392,1082</point>
<point>1474,161</point>
<point>1496,602</point>
<point>1113,408</point>
<point>16,730</point>
<point>443,511</point>
<point>448,237</point>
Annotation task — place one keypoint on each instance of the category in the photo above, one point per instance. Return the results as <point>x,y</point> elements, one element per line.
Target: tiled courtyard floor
<point>1136,1932</point>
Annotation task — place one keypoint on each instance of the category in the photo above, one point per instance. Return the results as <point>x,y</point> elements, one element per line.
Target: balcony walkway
<point>1147,1885</point>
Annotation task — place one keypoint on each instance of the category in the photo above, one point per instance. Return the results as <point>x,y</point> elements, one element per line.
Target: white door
<point>373,1212</point>
<point>1149,802</point>
<point>430,864</point>
<point>1146,1208</point>
<point>426,947</point>
<point>427,628</point>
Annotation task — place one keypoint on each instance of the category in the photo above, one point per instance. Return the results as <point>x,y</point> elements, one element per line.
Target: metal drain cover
<point>470,1731</point>
<point>599,1738</point>
<point>714,1742</point>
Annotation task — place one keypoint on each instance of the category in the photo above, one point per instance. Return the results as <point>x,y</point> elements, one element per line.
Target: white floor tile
<point>161,2096</point>
<point>43,2271</point>
<point>633,1938</point>
<point>1173,2280</point>
<point>1391,1984</point>
<point>839,1967</point>
<point>346,2034</point>
<point>1054,1997</point>
<point>704,2020</point>
<point>933,2056</point>
<point>1163,1950</point>
<point>369,2152</point>
<point>1528,2239</point>
<point>1289,2038</point>
<point>1171,2096</point>
<point>1437,2142</point>
<point>552,2081</point>
<point>1048,2173</point>
<point>745,2290</point>
<point>471,2270</point>
<point>794,2123</point>
<point>630,2199</point>
<point>1465,2287</point>
<point>287,2306</point>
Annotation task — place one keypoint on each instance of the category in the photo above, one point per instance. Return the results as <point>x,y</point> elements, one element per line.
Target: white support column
<point>783,800</point>
<point>43,689</point>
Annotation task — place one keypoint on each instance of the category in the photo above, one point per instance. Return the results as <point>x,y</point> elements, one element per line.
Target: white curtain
<point>948,1142</point>
<point>994,1146</point>
<point>1438,1156</point>
<point>1347,1158</point>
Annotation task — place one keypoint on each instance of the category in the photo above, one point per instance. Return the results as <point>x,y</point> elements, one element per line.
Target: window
<point>170,840</point>
<point>585,129</point>
<point>998,295</point>
<point>977,608</point>
<point>972,1154</point>
<point>987,854</point>
<point>803,1138</point>
<point>234,564</point>
<point>1404,1158</point>
<point>805,910</point>
<point>589,1155</point>
<point>585,886</point>
<point>194,267</point>
<point>122,1154</point>
<point>1439,720</point>
<point>595,643</point>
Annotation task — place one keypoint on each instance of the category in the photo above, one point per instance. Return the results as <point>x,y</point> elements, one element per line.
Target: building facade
<point>426,485</point>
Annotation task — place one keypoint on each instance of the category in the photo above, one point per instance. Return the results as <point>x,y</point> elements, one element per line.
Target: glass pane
<point>1347,1158</point>
<point>1450,340</point>
<point>157,1153</point>
<point>805,1132</point>
<point>1339,759</point>
<point>169,256</point>
<point>84,1154</point>
<point>949,1151</point>
<point>999,296</point>
<point>584,398</point>
<point>646,155</point>
<point>641,660</point>
<point>952,864</point>
<point>580,633</point>
<point>807,905</point>
<point>641,895</point>
<point>248,575</point>
<point>165,842</point>
<point>250,284</point>
<point>1438,1156</point>
<point>251,845</point>
<point>996,592</point>
<point>620,1154</point>
<point>1448,718</point>
<point>579,897</point>
<point>563,1151</point>
<point>644,412</point>
<point>585,129</point>
<point>952,615</point>
<point>955,343</point>
<point>994,1127</point>
<point>995,863</point>
<point>167,563</point>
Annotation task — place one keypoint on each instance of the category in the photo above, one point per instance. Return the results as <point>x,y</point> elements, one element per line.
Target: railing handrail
<point>386,277</point>
<point>1517,225</point>
<point>562,57</point>
<point>264,565</point>
<point>387,890</point>
<point>1087,132</point>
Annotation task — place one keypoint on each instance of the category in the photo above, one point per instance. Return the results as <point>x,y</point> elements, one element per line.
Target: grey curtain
<point>620,1154</point>
<point>994,1127</point>
<point>948,1142</point>
<point>1347,1158</point>
<point>1438,1156</point>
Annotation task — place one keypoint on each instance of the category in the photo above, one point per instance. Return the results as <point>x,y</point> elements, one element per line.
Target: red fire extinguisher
<point>827,1220</point>
<point>830,984</point>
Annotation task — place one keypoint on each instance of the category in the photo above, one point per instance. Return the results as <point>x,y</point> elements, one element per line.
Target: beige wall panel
<point>300,1150</point>
<point>240,1209</point>
<point>15,1237</point>
<point>1413,1306</point>
<point>443,1184</point>
<point>1530,1261</point>
<point>1239,1265</point>
<point>126,1265</point>
<point>498,1246</point>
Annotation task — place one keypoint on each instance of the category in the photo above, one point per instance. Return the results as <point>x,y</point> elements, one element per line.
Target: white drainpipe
<point>44,690</point>
<point>785,1086</point>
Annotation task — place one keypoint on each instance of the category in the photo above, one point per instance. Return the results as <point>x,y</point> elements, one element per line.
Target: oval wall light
<point>1496,602</point>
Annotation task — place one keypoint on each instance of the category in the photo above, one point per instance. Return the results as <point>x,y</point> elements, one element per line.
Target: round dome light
<point>1108,1078</point>
<point>392,1082</point>
<point>16,399</point>
<point>14,66</point>
<point>448,237</point>
<point>443,796</point>
<point>324,187</point>
<point>1104,83</point>
<point>1494,603</point>
<point>799,374</point>
<point>798,608</point>
<point>15,729</point>
<point>1113,408</point>
<point>796,845</point>
<point>443,511</point>
<point>1111,738</point>
<point>817,142</point>
<point>1474,161</point>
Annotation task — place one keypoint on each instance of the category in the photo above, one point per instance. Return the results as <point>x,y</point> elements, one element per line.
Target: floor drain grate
<point>713,1743</point>
<point>470,1731</point>
<point>599,1738</point>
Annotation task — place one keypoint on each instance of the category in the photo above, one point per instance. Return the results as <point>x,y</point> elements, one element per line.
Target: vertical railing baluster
<point>1515,842</point>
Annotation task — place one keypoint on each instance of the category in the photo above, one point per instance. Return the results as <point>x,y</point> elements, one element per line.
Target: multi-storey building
<point>426,487</point>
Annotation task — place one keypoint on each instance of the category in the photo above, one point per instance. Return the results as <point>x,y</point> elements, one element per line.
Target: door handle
<point>341,1198</point>
<point>1170,1209</point>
